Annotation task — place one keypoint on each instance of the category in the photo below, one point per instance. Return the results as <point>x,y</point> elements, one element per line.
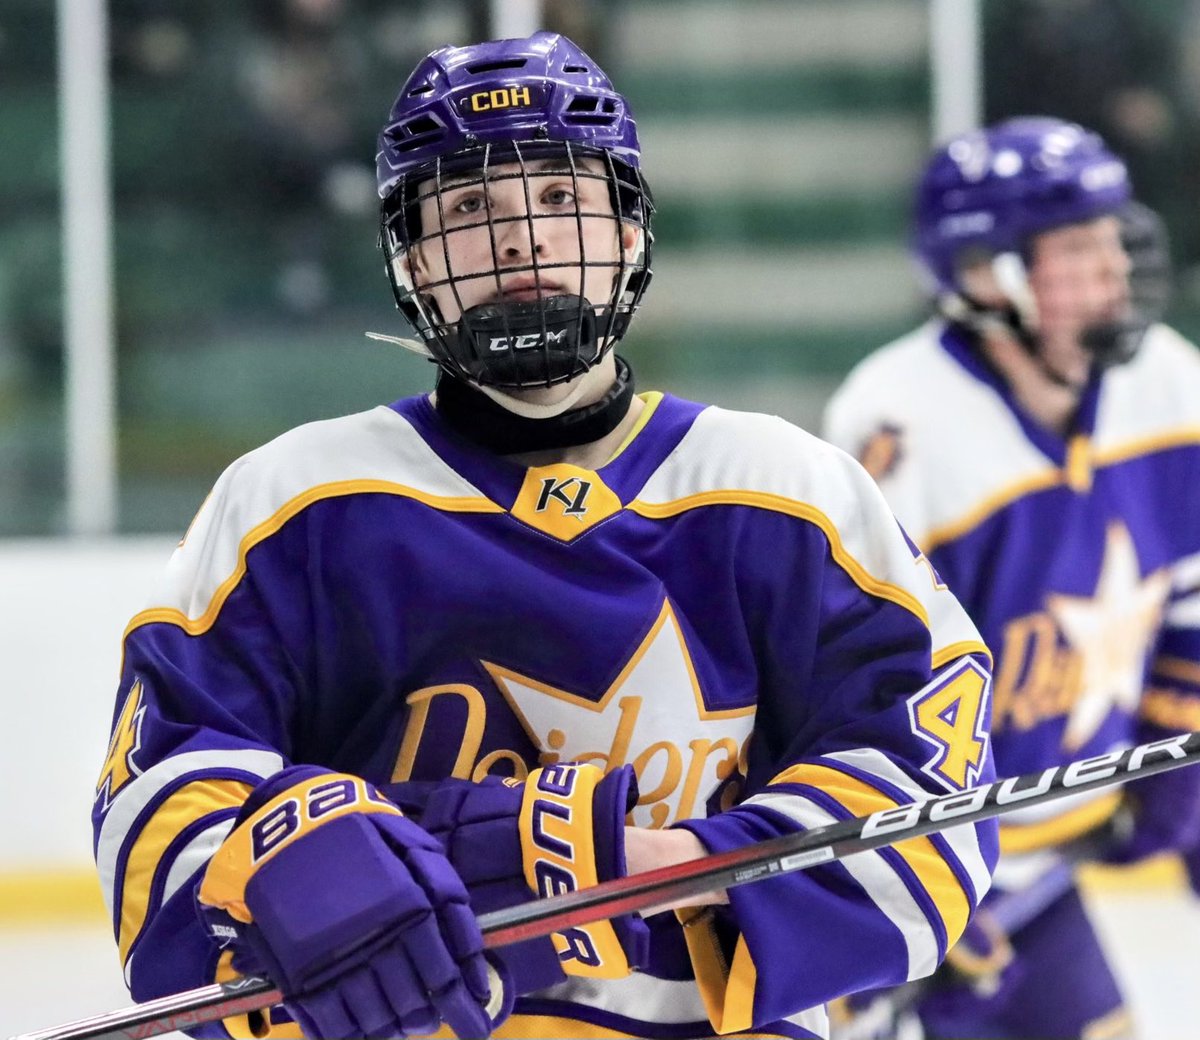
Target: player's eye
<point>468,205</point>
<point>558,197</point>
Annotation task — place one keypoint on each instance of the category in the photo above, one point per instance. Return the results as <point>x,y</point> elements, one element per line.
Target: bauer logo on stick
<point>1087,772</point>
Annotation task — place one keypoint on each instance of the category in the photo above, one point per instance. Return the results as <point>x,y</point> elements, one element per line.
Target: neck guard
<point>479,419</point>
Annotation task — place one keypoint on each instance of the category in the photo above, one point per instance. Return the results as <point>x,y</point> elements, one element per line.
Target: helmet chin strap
<point>1019,320</point>
<point>1013,279</point>
<point>415,345</point>
<point>533,410</point>
<point>476,415</point>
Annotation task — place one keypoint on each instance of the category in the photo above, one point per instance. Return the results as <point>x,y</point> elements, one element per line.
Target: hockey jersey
<point>727,604</point>
<point>1077,556</point>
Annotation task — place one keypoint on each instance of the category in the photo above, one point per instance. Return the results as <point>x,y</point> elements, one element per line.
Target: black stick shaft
<point>677,882</point>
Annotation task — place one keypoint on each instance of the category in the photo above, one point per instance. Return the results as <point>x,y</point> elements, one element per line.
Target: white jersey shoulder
<point>372,451</point>
<point>1153,401</point>
<point>945,447</point>
<point>765,462</point>
<point>748,456</point>
<point>939,441</point>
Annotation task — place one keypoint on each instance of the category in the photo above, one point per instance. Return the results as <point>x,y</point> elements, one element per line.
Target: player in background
<point>572,630</point>
<point>1039,438</point>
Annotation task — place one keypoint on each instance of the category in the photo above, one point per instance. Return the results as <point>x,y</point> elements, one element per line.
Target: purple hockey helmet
<point>502,102</point>
<point>543,88</point>
<point>990,191</point>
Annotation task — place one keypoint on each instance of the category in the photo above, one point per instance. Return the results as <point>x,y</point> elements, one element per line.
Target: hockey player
<point>1040,441</point>
<point>530,632</point>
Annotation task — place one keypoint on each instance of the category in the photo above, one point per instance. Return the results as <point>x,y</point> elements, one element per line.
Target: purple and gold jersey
<point>727,604</point>
<point>1078,557</point>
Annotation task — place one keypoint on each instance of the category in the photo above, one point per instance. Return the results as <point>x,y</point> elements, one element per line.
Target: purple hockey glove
<point>1164,815</point>
<point>350,909</point>
<point>982,951</point>
<point>511,841</point>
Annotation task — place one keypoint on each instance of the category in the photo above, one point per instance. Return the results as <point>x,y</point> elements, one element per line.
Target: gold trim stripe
<point>1177,668</point>
<point>1148,445</point>
<point>1053,477</point>
<point>652,399</point>
<point>956,650</point>
<point>992,504</point>
<point>800,510</point>
<point>185,806</point>
<point>337,489</point>
<point>932,870</point>
<point>803,511</point>
<point>1165,872</point>
<point>1170,709</point>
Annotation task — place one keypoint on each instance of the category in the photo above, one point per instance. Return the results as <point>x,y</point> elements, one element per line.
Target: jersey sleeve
<point>1171,702</point>
<point>210,688</point>
<point>900,681</point>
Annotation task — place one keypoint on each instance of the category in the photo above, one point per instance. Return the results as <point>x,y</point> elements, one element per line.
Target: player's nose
<point>1116,262</point>
<point>520,237</point>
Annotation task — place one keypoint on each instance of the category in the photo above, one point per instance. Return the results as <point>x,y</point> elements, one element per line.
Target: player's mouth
<point>524,289</point>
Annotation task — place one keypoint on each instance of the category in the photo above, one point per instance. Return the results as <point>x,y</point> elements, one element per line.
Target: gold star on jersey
<point>1112,631</point>
<point>652,715</point>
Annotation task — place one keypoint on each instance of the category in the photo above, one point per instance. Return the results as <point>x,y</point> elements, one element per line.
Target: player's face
<point>490,234</point>
<point>1079,275</point>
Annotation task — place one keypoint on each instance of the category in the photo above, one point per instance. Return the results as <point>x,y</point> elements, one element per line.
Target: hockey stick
<point>676,882</point>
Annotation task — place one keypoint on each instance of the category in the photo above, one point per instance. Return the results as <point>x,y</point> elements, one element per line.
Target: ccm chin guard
<point>516,344</point>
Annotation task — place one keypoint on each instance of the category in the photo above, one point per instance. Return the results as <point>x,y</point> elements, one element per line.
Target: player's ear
<point>630,235</point>
<point>412,264</point>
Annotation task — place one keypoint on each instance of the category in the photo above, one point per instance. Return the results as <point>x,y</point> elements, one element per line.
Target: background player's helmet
<point>466,111</point>
<point>991,191</point>
<point>986,194</point>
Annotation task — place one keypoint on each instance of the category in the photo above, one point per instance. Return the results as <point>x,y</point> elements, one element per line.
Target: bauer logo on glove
<point>562,851</point>
<point>276,825</point>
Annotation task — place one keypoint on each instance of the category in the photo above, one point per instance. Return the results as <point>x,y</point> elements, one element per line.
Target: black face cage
<point>550,339</point>
<point>1144,238</point>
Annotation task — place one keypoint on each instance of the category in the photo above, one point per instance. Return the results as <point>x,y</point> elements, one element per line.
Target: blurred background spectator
<point>1120,67</point>
<point>781,141</point>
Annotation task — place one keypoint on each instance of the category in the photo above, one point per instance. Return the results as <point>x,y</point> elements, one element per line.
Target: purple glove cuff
<point>615,796</point>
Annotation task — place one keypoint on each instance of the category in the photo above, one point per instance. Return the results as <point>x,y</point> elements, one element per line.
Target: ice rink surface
<point>54,975</point>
